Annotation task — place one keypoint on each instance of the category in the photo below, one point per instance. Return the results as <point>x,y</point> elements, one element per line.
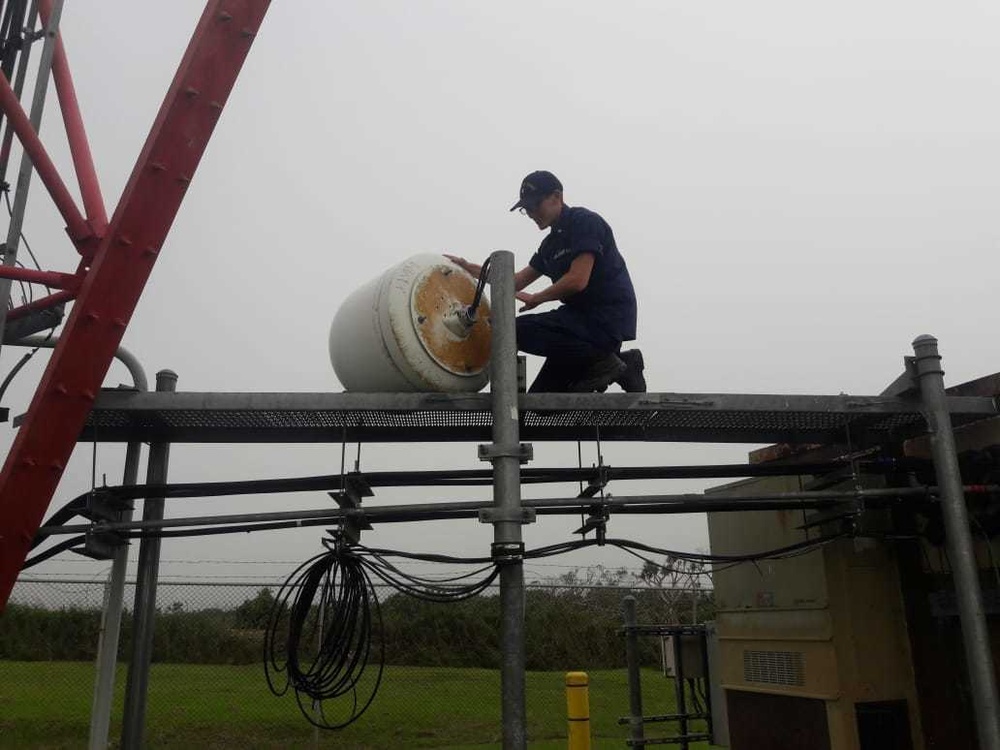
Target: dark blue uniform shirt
<point>607,306</point>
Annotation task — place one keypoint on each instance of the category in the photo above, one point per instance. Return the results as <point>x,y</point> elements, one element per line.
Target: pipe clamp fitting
<point>490,452</point>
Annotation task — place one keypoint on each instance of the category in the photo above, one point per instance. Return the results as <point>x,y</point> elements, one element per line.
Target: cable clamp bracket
<point>103,505</point>
<point>101,544</point>
<point>502,515</point>
<point>524,452</point>
<point>504,553</point>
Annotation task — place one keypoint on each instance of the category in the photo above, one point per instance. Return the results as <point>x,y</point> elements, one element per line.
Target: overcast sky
<point>799,190</point>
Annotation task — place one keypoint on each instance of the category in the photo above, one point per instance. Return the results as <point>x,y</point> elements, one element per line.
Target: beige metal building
<point>856,645</point>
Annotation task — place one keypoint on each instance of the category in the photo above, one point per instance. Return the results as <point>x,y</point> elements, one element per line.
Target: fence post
<point>635,731</point>
<point>578,710</point>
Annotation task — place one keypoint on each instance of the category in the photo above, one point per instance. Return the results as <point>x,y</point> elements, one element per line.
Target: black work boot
<point>632,380</point>
<point>598,375</point>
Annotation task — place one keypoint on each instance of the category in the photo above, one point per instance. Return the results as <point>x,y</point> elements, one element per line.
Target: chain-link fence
<point>440,687</point>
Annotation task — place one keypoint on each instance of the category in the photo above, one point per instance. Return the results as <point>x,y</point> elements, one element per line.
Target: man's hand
<point>530,301</point>
<point>465,265</point>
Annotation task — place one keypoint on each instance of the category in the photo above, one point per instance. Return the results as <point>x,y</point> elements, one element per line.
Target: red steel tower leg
<point>121,265</point>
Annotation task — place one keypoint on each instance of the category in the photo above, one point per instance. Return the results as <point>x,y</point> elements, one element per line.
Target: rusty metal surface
<point>436,296</point>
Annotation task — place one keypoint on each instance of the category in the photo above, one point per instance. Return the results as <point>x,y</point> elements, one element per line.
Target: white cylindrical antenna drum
<point>408,330</point>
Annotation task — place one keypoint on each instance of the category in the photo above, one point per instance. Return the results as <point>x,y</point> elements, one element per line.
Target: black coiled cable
<point>484,273</point>
<point>324,631</point>
<point>330,600</point>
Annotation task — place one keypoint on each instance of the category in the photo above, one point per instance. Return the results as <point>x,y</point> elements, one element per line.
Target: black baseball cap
<point>535,187</point>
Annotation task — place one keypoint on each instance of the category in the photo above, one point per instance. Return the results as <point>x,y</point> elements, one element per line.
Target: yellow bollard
<point>578,710</point>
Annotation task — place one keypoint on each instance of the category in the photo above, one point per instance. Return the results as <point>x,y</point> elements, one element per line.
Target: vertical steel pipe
<point>114,599</point>
<point>508,543</point>
<point>111,621</point>
<point>144,616</point>
<point>76,133</point>
<point>975,634</point>
<point>635,730</point>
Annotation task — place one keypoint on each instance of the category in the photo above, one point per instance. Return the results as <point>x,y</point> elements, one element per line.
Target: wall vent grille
<point>775,667</point>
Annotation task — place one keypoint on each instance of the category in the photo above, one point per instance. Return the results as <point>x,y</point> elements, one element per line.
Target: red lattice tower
<point>117,256</point>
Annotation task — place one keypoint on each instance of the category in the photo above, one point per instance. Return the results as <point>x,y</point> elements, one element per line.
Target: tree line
<point>573,622</point>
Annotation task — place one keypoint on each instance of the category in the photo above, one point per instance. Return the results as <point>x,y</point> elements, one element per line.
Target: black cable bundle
<point>442,590</point>
<point>484,273</point>
<point>346,623</point>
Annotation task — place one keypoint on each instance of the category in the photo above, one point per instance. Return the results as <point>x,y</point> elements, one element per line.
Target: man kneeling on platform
<point>581,339</point>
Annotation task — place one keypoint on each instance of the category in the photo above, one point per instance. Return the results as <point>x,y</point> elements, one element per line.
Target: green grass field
<point>47,705</point>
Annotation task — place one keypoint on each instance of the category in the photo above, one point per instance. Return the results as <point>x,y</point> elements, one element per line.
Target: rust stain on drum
<point>436,296</point>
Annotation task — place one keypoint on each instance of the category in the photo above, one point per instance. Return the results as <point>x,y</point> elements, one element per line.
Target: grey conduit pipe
<point>123,355</point>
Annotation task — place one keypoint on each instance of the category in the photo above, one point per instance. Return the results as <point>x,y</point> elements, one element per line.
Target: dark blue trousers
<point>568,341</point>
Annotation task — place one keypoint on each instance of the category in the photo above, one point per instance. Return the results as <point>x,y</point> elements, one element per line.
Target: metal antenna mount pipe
<point>114,597</point>
<point>144,617</point>
<point>505,454</point>
<point>976,636</point>
<point>111,621</point>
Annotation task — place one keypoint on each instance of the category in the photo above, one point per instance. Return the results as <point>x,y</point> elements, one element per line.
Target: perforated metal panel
<point>330,417</point>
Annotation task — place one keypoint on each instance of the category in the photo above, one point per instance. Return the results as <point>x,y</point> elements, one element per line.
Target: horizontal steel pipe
<point>474,477</point>
<point>682,503</point>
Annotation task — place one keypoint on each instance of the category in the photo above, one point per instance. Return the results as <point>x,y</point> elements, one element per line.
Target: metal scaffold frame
<point>505,416</point>
<point>116,258</point>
